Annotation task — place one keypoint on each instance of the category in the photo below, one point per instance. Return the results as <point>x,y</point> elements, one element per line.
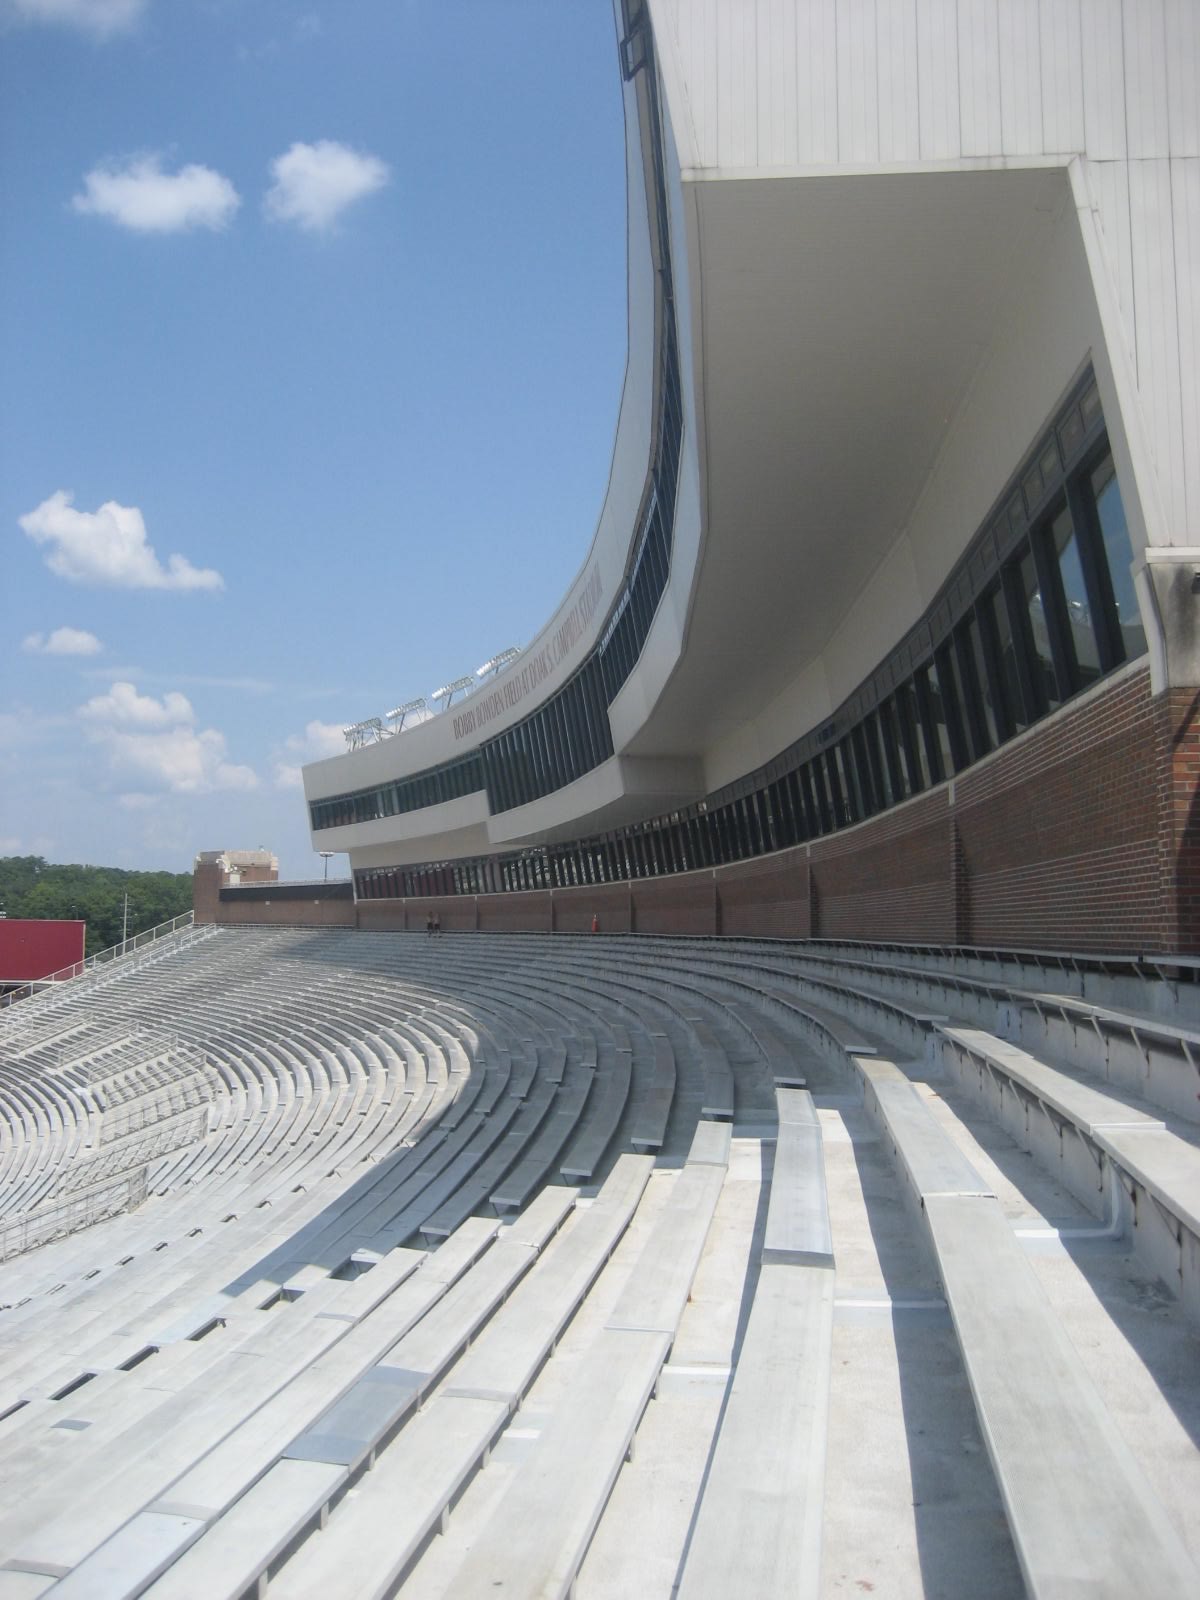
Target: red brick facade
<point>771,896</point>
<point>1084,834</point>
<point>891,878</point>
<point>1177,744</point>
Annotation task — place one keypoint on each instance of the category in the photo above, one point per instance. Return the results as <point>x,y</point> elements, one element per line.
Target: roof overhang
<point>840,320</point>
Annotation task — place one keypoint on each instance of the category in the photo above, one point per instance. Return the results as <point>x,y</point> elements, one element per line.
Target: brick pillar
<point>207,879</point>
<point>1178,751</point>
<point>960,887</point>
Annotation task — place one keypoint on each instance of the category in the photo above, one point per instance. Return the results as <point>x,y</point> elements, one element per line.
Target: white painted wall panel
<point>778,101</point>
<point>937,66</point>
<point>1103,79</point>
<point>737,85</point>
<point>1144,41</point>
<point>696,28</point>
<point>1185,208</point>
<point>979,77</point>
<point>899,87</point>
<point>817,83</point>
<point>1182,18</point>
<point>1020,77</point>
<point>1061,56</point>
<point>857,82</point>
<point>1108,182</point>
<point>1157,326</point>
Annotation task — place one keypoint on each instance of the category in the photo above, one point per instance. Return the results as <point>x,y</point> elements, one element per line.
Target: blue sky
<point>312,326</point>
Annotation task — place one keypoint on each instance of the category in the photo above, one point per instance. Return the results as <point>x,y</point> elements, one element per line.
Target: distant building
<point>887,629</point>
<point>215,870</point>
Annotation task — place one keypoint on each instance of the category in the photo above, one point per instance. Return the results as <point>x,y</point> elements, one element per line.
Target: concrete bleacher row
<point>599,1265</point>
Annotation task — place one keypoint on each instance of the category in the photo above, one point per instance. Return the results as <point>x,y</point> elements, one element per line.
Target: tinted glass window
<point>1045,684</point>
<point>1118,552</point>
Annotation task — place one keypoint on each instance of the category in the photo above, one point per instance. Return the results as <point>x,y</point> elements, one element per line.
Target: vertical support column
<point>960,886</point>
<point>1177,749</point>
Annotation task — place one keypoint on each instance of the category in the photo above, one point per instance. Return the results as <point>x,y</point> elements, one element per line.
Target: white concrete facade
<point>900,230</point>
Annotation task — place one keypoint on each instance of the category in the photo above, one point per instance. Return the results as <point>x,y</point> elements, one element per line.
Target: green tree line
<point>31,887</point>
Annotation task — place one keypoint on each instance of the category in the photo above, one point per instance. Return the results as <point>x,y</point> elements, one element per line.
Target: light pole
<point>325,855</point>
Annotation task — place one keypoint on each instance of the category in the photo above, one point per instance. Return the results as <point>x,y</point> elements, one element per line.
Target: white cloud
<point>123,706</point>
<point>319,739</point>
<point>108,547</point>
<point>63,642</point>
<point>10,845</point>
<point>314,183</point>
<point>140,195</point>
<point>100,17</point>
<point>137,802</point>
<point>154,741</point>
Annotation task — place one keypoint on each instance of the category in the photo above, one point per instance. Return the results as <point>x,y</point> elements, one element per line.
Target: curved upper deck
<point>843,361</point>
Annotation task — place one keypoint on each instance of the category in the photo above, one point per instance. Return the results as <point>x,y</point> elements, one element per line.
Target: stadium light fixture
<point>410,708</point>
<point>497,663</point>
<point>449,690</point>
<point>365,732</point>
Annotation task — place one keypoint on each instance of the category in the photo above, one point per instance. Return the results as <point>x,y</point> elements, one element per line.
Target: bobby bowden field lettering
<point>536,668</point>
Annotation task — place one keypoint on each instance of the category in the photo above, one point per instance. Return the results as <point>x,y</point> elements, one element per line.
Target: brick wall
<point>686,903</point>
<point>529,912</point>
<point>1177,748</point>
<point>890,878</point>
<point>1059,832</point>
<point>1082,835</point>
<point>207,879</point>
<point>611,903</point>
<point>769,896</point>
<point>287,913</point>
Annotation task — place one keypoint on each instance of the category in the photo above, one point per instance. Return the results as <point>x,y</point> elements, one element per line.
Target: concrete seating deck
<point>1076,1502</point>
<point>758,1525</point>
<point>634,1204</point>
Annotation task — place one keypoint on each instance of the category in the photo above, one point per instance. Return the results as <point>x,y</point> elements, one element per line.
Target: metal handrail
<point>116,952</point>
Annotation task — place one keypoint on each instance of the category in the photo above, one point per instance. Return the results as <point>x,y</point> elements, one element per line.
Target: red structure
<point>34,947</point>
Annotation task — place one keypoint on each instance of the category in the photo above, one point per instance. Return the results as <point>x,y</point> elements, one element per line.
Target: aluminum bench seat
<point>505,1359</point>
<point>848,1037</point>
<point>1144,1051</point>
<point>219,1476</point>
<point>535,1540</point>
<point>230,1556</point>
<point>610,1096</point>
<point>499,1144</point>
<point>566,1110</point>
<point>299,1484</point>
<point>758,1524</point>
<point>652,1114</point>
<point>787,1069</point>
<point>407,1493</point>
<point>1081,1514</point>
<point>1112,1139</point>
<point>357,1425</point>
<point>718,1076</point>
<point>37,1534</point>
